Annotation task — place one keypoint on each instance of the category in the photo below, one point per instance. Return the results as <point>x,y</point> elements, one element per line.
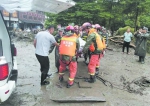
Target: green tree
<point>50,19</point>
<point>113,15</point>
<point>133,9</point>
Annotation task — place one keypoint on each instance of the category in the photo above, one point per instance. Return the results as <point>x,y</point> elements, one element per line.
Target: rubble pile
<point>22,35</point>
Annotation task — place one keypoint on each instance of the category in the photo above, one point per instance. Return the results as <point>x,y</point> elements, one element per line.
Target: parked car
<point>8,63</point>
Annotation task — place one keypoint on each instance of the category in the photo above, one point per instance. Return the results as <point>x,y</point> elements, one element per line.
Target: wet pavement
<point>115,66</point>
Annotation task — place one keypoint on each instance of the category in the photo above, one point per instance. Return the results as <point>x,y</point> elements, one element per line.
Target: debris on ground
<point>137,86</point>
<point>119,40</point>
<point>78,83</point>
<point>59,85</point>
<point>79,99</point>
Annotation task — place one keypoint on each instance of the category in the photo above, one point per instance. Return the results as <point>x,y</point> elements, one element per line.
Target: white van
<point>8,63</point>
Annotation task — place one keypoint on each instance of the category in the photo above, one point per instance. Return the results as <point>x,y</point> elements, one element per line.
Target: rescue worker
<point>86,55</point>
<point>77,34</point>
<point>76,29</point>
<point>84,36</point>
<point>94,44</point>
<point>105,35</point>
<point>58,38</point>
<point>98,28</point>
<point>141,44</point>
<point>67,50</point>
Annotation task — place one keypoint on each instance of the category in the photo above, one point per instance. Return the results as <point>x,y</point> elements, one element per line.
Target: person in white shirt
<point>127,40</point>
<point>42,43</point>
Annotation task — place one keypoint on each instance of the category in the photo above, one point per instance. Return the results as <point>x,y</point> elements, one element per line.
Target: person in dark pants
<point>86,55</point>
<point>127,40</point>
<point>58,39</point>
<point>126,44</point>
<point>42,43</point>
<point>44,64</point>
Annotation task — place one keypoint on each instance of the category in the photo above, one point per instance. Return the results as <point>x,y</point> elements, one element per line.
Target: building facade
<point>11,19</point>
<point>24,20</point>
<point>31,20</point>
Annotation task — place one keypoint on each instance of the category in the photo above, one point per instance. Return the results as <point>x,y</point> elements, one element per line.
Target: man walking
<point>42,43</point>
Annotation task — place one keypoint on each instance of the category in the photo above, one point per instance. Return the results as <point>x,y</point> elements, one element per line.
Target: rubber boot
<point>61,78</point>
<point>97,71</point>
<point>142,60</point>
<point>43,77</point>
<point>69,84</point>
<point>139,59</point>
<point>92,79</point>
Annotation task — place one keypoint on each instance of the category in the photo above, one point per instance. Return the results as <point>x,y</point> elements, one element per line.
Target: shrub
<point>121,31</point>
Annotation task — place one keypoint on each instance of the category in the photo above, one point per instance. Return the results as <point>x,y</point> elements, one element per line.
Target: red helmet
<point>98,26</point>
<point>69,28</point>
<point>86,25</point>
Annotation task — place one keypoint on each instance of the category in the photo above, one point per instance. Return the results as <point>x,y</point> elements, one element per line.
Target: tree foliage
<point>51,19</point>
<point>113,15</point>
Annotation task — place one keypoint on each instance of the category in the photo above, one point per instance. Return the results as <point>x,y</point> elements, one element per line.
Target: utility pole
<point>9,28</point>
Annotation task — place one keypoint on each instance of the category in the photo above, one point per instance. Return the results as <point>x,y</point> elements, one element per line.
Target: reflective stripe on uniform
<point>61,73</point>
<point>97,66</point>
<point>69,39</point>
<point>92,73</point>
<point>71,79</point>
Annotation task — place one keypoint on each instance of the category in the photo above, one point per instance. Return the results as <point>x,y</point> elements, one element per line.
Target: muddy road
<point>121,70</point>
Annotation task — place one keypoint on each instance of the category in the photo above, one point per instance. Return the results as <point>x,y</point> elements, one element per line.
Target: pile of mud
<point>137,86</point>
